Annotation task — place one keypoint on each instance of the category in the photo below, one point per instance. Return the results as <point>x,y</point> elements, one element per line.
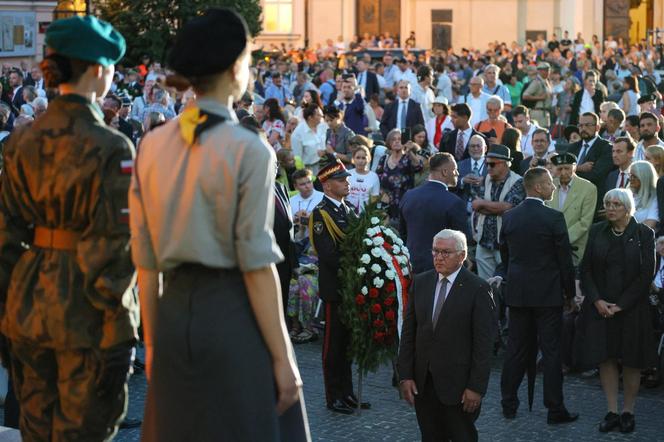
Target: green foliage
<point>151,25</point>
<point>371,316</point>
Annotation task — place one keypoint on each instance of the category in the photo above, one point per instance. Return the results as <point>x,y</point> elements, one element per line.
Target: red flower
<point>390,287</point>
<point>373,292</point>
<point>359,300</point>
<point>390,315</point>
<point>378,323</point>
<point>376,309</point>
<point>389,301</point>
<point>379,336</point>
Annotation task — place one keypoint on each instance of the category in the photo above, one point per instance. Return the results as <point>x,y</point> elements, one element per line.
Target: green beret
<point>86,38</point>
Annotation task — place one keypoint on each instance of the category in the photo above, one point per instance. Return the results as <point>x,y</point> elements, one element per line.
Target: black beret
<point>209,44</point>
<point>564,158</point>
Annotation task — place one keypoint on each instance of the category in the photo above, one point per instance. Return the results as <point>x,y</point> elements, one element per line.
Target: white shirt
<point>306,143</point>
<point>407,75</point>
<point>527,142</point>
<point>659,276</point>
<point>450,281</point>
<point>650,212</point>
<point>563,191</point>
<point>535,198</point>
<point>362,79</point>
<point>425,99</point>
<point>583,153</point>
<point>587,104</point>
<point>478,106</point>
<point>361,188</point>
<point>625,173</point>
<point>402,106</point>
<point>640,151</point>
<point>445,87</point>
<point>297,202</point>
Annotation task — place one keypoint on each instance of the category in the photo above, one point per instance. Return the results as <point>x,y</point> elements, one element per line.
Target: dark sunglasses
<point>492,164</point>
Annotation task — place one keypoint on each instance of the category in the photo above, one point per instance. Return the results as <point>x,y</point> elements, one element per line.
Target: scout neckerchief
<point>194,121</point>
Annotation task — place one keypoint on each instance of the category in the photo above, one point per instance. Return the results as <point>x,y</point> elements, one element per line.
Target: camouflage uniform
<point>61,307</point>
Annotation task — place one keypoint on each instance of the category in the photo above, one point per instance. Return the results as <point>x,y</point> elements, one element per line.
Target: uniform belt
<point>56,239</point>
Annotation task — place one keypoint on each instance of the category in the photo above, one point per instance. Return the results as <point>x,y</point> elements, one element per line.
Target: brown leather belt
<point>56,239</point>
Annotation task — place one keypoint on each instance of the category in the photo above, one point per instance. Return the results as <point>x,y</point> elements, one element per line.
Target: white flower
<point>361,271</point>
<point>378,241</point>
<point>389,274</point>
<point>374,220</point>
<point>378,283</point>
<point>365,259</point>
<point>375,268</point>
<point>368,242</point>
<point>399,241</point>
<point>364,290</point>
<point>396,250</point>
<point>376,252</point>
<point>405,271</point>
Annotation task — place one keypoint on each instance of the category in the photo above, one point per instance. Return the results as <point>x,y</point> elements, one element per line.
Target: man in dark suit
<point>455,142</point>
<point>430,208</point>
<point>622,154</point>
<point>587,99</point>
<point>368,80</point>
<point>446,344</point>
<point>535,248</point>
<point>15,93</point>
<point>593,153</point>
<point>284,231</point>
<point>350,101</point>
<point>402,113</point>
<point>325,241</point>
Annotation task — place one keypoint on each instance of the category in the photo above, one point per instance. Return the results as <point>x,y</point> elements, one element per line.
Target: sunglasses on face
<point>493,163</point>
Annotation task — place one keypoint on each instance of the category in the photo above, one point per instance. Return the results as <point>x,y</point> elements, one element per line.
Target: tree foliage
<point>151,25</point>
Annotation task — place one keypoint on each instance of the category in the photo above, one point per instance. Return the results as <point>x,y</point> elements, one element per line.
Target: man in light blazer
<point>576,198</point>
<point>446,343</point>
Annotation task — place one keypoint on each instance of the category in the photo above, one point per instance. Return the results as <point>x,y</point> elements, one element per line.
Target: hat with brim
<point>440,100</point>
<point>499,152</point>
<point>543,66</point>
<point>86,38</point>
<point>333,171</point>
<point>563,159</point>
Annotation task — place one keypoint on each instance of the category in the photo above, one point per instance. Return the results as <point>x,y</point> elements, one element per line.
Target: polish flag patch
<point>124,216</point>
<point>126,167</point>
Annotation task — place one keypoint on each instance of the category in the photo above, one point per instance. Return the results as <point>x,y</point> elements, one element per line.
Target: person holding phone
<point>397,172</point>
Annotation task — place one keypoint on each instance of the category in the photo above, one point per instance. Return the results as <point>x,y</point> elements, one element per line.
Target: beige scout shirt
<point>211,203</point>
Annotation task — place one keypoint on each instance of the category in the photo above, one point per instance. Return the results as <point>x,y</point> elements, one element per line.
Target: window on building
<point>278,16</point>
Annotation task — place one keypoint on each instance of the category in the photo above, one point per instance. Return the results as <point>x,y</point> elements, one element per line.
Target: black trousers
<point>337,371</point>
<point>524,324</point>
<point>443,423</point>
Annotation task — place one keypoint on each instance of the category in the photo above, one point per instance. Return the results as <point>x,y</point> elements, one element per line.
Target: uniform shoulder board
<point>321,205</point>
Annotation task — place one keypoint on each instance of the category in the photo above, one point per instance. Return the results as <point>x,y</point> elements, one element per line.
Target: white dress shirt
<point>583,153</point>
<point>563,191</point>
<point>450,281</point>
<point>587,104</point>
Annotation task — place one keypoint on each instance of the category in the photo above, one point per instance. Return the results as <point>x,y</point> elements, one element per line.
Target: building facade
<point>22,28</point>
<point>455,23</point>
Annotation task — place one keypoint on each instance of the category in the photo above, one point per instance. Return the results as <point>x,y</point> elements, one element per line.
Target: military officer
<point>327,224</point>
<point>66,311</point>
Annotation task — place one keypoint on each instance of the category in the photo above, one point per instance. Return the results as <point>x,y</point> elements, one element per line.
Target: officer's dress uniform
<point>328,222</point>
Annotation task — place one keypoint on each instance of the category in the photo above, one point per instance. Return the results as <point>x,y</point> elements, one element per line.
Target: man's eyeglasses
<point>475,145</point>
<point>444,253</point>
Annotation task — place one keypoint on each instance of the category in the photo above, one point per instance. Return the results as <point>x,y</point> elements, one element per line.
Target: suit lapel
<point>571,196</point>
<point>451,298</point>
<point>430,289</point>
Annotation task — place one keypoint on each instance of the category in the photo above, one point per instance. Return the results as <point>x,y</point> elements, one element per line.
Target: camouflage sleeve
<point>14,231</point>
<point>103,253</point>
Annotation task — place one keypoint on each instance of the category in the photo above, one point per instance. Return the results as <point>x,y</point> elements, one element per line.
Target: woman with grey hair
<point>494,126</point>
<point>615,324</point>
<point>643,183</point>
<point>397,172</point>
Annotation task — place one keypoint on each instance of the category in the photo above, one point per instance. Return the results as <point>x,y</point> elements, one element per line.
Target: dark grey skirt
<point>212,374</point>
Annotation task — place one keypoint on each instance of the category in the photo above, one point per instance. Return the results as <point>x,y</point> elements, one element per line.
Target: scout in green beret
<point>69,319</point>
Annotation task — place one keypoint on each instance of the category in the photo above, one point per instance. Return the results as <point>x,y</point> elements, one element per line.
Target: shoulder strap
<point>335,232</point>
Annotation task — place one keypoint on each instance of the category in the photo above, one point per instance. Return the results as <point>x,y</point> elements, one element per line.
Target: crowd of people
<point>441,140</point>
